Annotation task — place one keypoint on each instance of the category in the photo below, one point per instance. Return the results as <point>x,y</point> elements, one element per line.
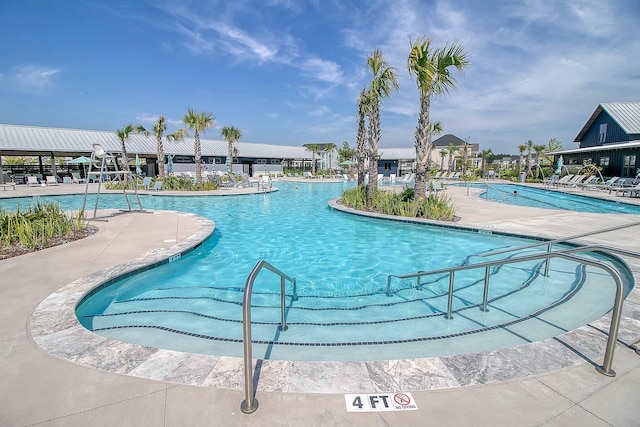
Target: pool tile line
<point>55,328</point>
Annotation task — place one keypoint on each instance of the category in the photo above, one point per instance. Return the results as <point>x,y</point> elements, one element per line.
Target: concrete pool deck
<point>37,388</point>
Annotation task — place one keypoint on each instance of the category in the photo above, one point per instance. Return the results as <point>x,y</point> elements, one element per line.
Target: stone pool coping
<point>55,328</point>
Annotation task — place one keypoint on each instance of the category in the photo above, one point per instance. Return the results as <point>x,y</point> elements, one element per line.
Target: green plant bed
<point>436,206</point>
<point>37,227</point>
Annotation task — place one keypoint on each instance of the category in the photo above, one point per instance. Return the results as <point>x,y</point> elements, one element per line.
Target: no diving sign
<point>380,402</point>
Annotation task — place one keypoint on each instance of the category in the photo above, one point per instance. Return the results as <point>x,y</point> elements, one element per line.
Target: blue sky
<point>289,72</point>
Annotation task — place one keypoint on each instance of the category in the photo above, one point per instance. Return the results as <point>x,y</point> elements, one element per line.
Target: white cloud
<point>320,110</point>
<point>34,79</point>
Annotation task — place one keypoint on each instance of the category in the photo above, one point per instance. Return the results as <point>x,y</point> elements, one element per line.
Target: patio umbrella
<point>560,164</point>
<point>347,163</point>
<point>82,160</point>
<point>170,163</point>
<point>138,168</point>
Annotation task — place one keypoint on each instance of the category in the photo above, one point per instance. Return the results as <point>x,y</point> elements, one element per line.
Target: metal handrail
<point>561,240</point>
<point>566,254</point>
<point>250,403</point>
<point>502,193</point>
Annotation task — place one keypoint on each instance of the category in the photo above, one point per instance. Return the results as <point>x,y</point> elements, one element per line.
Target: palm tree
<point>314,149</point>
<point>123,135</point>
<point>521,149</point>
<point>443,154</point>
<point>361,137</point>
<point>159,128</point>
<point>554,145</point>
<point>232,135</point>
<point>430,67</point>
<point>452,150</point>
<point>384,81</point>
<point>198,123</point>
<point>529,148</point>
<point>485,154</point>
<point>465,156</point>
<point>329,149</point>
<point>540,157</point>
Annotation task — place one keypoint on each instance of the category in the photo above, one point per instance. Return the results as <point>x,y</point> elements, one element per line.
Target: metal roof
<point>626,114</point>
<point>32,140</point>
<point>397,153</point>
<point>606,147</point>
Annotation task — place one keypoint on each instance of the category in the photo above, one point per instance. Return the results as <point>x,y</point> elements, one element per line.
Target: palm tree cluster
<point>198,122</point>
<point>430,67</point>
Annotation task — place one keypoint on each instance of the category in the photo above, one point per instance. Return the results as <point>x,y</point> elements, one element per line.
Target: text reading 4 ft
<point>380,402</point>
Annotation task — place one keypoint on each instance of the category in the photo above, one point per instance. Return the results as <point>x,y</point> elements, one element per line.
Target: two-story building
<point>609,139</point>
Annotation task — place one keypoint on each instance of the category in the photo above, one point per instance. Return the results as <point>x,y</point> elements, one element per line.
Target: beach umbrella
<point>138,168</point>
<point>560,164</point>
<point>170,163</point>
<point>82,160</point>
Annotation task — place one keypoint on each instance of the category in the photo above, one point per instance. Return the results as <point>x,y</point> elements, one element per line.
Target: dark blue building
<point>610,139</point>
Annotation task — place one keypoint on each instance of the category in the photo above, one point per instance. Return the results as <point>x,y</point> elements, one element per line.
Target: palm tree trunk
<point>361,148</point>
<point>374,127</point>
<point>160,159</point>
<point>197,148</point>
<point>423,148</point>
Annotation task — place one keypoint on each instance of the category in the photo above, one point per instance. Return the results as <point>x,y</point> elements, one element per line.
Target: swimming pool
<point>341,263</point>
<point>523,195</point>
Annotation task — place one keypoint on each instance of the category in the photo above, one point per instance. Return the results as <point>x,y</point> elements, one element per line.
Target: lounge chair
<point>67,180</point>
<point>574,181</point>
<point>631,190</point>
<point>146,183</point>
<point>436,186</point>
<point>51,180</point>
<point>564,180</point>
<point>552,181</point>
<point>589,181</point>
<point>157,186</point>
<point>75,177</point>
<point>226,181</point>
<point>634,191</point>
<point>32,181</point>
<point>619,186</point>
<point>244,180</point>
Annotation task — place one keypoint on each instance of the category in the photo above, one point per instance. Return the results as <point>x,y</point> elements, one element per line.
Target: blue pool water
<point>341,263</point>
<point>552,199</point>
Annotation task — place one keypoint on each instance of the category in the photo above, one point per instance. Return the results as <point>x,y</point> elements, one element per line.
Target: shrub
<point>436,206</point>
<point>34,227</point>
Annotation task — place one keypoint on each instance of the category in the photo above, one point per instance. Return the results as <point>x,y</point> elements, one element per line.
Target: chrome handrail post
<point>283,323</point>
<point>250,403</point>
<point>485,292</point>
<point>546,261</point>
<point>606,369</point>
<point>450,297</point>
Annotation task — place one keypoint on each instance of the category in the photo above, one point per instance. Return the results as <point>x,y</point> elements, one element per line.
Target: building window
<point>261,161</point>
<point>276,161</point>
<point>387,166</point>
<point>603,132</point>
<point>604,161</point>
<point>628,166</point>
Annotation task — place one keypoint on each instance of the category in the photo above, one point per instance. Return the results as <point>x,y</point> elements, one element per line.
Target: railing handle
<point>250,404</point>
